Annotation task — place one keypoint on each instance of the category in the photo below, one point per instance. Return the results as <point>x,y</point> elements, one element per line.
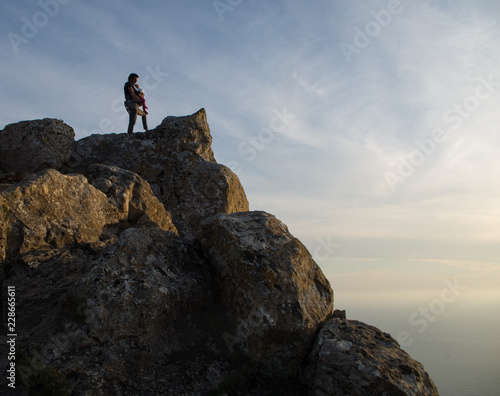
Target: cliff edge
<point>137,269</point>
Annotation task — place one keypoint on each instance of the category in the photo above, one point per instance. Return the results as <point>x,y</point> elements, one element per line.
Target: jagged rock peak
<point>186,135</point>
<point>192,133</point>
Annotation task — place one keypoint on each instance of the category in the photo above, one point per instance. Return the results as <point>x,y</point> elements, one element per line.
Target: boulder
<point>351,358</point>
<point>188,133</point>
<point>31,146</point>
<point>49,210</point>
<point>131,195</point>
<point>139,286</point>
<point>270,284</point>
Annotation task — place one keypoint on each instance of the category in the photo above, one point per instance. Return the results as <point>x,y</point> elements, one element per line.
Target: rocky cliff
<point>138,269</point>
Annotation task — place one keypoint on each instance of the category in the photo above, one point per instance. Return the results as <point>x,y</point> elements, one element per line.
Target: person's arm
<point>134,95</point>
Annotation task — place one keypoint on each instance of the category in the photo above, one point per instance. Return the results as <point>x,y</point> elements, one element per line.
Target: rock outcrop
<point>257,262</point>
<point>114,316</point>
<point>176,159</point>
<point>30,146</point>
<point>49,210</point>
<point>352,358</point>
<point>131,195</point>
<point>138,270</point>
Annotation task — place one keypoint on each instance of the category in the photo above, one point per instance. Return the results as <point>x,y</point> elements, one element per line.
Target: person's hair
<point>132,75</point>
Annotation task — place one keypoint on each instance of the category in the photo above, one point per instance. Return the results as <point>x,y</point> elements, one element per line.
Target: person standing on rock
<point>132,103</point>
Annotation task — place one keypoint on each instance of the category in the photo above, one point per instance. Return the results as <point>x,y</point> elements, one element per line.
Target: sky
<point>370,128</point>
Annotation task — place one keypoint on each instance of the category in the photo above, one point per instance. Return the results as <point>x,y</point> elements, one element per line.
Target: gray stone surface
<point>131,195</point>
<point>30,146</point>
<point>270,283</point>
<point>351,358</point>
<point>115,316</point>
<point>49,210</point>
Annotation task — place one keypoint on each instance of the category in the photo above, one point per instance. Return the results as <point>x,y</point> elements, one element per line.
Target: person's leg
<point>145,122</point>
<point>132,118</point>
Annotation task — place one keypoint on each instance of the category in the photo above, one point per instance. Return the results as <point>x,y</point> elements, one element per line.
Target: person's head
<point>133,78</point>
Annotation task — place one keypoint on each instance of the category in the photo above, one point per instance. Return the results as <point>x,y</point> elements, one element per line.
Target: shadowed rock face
<point>271,284</point>
<point>352,358</point>
<point>140,271</point>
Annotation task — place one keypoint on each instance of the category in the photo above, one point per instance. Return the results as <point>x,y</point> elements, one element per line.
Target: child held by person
<point>140,94</point>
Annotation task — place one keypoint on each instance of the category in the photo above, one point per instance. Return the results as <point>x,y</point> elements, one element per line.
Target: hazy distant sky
<point>370,128</point>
